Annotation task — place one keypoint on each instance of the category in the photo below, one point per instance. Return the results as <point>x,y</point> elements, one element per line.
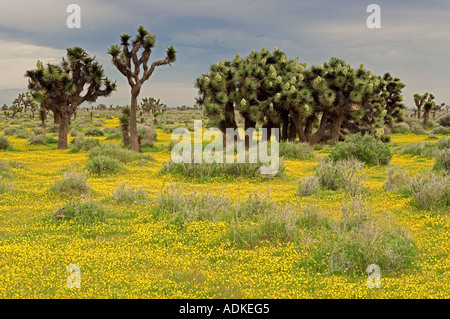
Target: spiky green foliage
<point>62,87</point>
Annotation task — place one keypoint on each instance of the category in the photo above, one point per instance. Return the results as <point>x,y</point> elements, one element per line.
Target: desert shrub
<point>308,186</point>
<point>71,183</point>
<point>114,136</point>
<point>84,212</point>
<point>397,179</point>
<point>9,130</point>
<point>300,151</point>
<point>42,139</point>
<point>122,193</point>
<point>98,123</point>
<point>5,186</point>
<point>441,130</point>
<point>442,160</point>
<point>146,135</point>
<point>210,170</point>
<point>16,164</point>
<point>5,144</point>
<point>328,174</point>
<point>445,121</point>
<point>366,149</point>
<point>117,152</point>
<point>74,133</point>
<point>430,190</point>
<point>358,240</point>
<point>83,144</point>
<point>101,165</point>
<point>425,149</point>
<point>401,128</point>
<point>21,133</point>
<point>344,174</point>
<point>54,128</point>
<point>94,131</point>
<point>39,131</point>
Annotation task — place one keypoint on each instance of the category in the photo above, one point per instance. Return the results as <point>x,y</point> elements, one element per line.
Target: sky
<point>413,42</point>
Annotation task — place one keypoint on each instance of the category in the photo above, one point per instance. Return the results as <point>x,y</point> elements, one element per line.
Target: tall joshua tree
<point>129,58</point>
<point>62,88</point>
<point>392,88</point>
<point>420,101</point>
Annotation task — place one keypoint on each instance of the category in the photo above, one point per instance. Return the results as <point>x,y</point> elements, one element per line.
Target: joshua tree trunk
<point>285,129</point>
<point>309,127</point>
<point>292,134</point>
<point>63,130</point>
<point>134,142</point>
<point>418,112</point>
<point>248,124</point>
<point>336,128</point>
<point>426,116</point>
<point>56,117</point>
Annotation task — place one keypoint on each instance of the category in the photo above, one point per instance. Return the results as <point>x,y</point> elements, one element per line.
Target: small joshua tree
<point>128,59</point>
<point>427,108</point>
<point>420,100</point>
<point>22,102</point>
<point>62,88</point>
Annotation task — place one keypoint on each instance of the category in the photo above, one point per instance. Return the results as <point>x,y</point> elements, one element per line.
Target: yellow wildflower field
<point>135,256</point>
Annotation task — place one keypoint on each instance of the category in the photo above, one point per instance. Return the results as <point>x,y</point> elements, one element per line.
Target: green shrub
<point>84,212</point>
<point>328,174</point>
<point>366,149</point>
<point>42,139</point>
<point>94,131</point>
<point>5,144</point>
<point>71,183</point>
<point>300,151</point>
<point>114,136</point>
<point>100,165</point>
<point>83,144</point>
<point>445,121</point>
<point>117,152</point>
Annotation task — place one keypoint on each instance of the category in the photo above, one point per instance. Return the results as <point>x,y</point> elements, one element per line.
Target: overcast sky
<point>413,42</point>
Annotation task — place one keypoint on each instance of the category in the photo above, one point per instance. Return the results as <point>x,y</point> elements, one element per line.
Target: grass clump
<point>299,151</point>
<point>83,144</point>
<point>442,160</point>
<point>83,212</point>
<point>308,186</point>
<point>430,190</point>
<point>125,194</point>
<point>42,140</point>
<point>344,174</point>
<point>5,144</point>
<point>103,165</point>
<point>117,152</point>
<point>71,183</point>
<point>94,131</point>
<point>367,149</point>
<point>5,186</point>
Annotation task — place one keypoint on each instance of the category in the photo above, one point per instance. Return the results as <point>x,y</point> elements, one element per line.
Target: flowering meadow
<point>132,253</point>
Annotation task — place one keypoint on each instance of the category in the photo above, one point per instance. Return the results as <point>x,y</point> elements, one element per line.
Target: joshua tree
<point>62,88</point>
<point>42,117</point>
<point>128,60</point>
<point>392,94</point>
<point>22,102</point>
<point>427,108</point>
<point>419,100</point>
<point>124,120</point>
<point>436,108</point>
<point>152,105</point>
